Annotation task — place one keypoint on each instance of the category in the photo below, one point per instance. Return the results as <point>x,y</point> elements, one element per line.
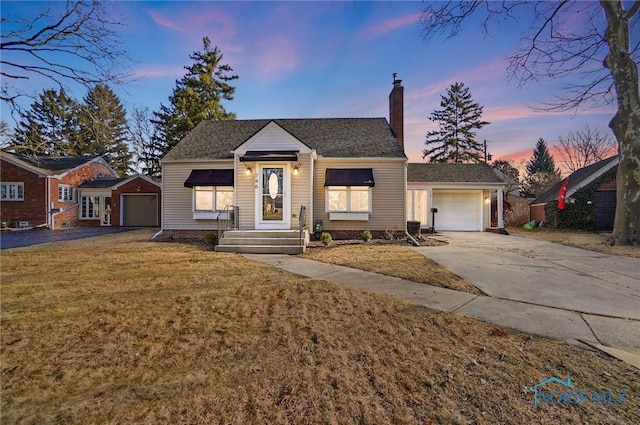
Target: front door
<point>273,203</point>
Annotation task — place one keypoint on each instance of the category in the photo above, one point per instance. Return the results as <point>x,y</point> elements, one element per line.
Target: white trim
<point>96,159</point>
<point>17,185</point>
<point>7,156</point>
<point>349,216</point>
<point>270,126</point>
<point>591,178</point>
<point>285,223</point>
<point>135,176</point>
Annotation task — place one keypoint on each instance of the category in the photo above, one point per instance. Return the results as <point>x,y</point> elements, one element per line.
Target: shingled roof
<point>578,179</point>
<point>330,137</point>
<point>55,164</point>
<point>451,173</point>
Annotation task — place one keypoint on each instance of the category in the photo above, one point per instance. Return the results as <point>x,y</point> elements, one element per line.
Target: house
<point>128,202</point>
<point>266,179</point>
<point>59,192</point>
<point>591,199</point>
<point>40,191</point>
<point>461,194</point>
<point>349,174</point>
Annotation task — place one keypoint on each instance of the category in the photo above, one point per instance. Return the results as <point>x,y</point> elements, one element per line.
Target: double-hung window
<point>65,193</point>
<point>212,191</point>
<point>12,191</point>
<point>348,193</point>
<point>212,198</point>
<point>348,199</point>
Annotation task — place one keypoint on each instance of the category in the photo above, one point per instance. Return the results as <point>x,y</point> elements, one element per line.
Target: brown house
<point>41,191</point>
<point>60,192</point>
<point>133,201</point>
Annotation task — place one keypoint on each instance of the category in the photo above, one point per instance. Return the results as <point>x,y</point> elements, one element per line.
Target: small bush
<point>211,239</point>
<point>366,236</point>
<point>325,238</point>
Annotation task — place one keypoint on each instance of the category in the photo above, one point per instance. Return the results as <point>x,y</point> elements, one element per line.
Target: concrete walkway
<point>555,316</point>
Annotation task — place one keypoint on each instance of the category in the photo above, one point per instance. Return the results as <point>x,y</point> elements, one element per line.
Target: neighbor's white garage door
<point>458,209</point>
<point>140,210</point>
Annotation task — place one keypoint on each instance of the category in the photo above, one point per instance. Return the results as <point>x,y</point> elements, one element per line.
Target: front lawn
<point>591,241</point>
<point>119,330</point>
<point>392,260</point>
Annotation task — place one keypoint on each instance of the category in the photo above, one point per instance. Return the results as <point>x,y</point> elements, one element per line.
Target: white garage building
<point>461,193</point>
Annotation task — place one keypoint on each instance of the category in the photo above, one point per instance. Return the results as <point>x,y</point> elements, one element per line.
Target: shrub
<point>325,238</point>
<point>366,236</point>
<point>211,239</point>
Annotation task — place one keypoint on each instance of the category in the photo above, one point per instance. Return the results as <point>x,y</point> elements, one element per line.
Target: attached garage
<point>460,192</point>
<point>458,210</point>
<point>140,210</point>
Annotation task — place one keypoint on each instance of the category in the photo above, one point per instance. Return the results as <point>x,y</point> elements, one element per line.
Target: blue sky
<point>336,59</point>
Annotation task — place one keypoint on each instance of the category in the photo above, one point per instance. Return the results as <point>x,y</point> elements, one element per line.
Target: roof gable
<point>272,137</point>
<point>451,173</point>
<point>579,179</point>
<point>52,165</point>
<point>329,137</point>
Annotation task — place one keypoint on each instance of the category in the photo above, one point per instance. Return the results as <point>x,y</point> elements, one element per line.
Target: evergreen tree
<point>104,129</point>
<point>541,172</point>
<point>50,127</point>
<point>196,97</point>
<point>541,161</point>
<point>455,141</point>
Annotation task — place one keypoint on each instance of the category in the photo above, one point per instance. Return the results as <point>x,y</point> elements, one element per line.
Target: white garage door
<point>458,209</point>
<point>140,210</point>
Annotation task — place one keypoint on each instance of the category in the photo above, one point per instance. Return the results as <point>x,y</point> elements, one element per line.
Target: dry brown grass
<point>393,260</point>
<point>586,240</point>
<point>117,330</point>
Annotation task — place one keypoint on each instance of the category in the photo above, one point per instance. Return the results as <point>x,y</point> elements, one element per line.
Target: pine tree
<point>196,97</point>
<point>104,129</point>
<point>50,127</point>
<point>455,141</point>
<point>541,171</point>
<point>541,161</point>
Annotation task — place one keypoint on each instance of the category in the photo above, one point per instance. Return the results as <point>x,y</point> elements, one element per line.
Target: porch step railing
<point>302,220</point>
<point>228,220</point>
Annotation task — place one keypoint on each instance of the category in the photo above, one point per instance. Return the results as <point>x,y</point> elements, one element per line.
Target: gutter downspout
<point>47,204</point>
<point>413,241</point>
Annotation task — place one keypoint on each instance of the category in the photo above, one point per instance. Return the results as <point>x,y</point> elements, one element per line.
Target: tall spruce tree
<point>49,127</point>
<point>541,160</point>
<point>541,171</point>
<point>455,139</point>
<point>104,129</point>
<point>196,97</point>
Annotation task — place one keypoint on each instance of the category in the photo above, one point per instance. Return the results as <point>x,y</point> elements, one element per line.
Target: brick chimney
<point>396,110</point>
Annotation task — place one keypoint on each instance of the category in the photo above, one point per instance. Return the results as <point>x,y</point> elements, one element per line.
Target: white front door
<point>273,200</point>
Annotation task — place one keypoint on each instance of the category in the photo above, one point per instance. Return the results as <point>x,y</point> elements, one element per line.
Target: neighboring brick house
<point>39,191</point>
<point>133,201</point>
<point>60,192</point>
<point>594,185</point>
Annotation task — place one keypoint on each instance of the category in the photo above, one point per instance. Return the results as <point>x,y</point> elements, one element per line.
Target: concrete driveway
<point>604,290</point>
<point>20,238</point>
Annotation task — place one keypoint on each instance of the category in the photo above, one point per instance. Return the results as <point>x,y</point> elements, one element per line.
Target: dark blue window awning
<point>349,177</point>
<point>266,156</point>
<point>212,177</point>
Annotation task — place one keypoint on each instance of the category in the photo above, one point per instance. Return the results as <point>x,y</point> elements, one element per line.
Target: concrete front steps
<point>263,242</point>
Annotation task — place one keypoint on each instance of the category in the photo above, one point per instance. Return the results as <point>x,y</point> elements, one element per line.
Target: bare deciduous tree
<point>584,147</point>
<point>597,41</point>
<point>76,42</point>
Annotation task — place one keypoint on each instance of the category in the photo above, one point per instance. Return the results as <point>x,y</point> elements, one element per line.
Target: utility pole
<point>486,157</point>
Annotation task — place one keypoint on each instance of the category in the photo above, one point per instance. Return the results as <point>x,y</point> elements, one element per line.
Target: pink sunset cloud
<point>275,54</point>
<point>379,29</point>
<point>166,22</point>
<point>159,72</point>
